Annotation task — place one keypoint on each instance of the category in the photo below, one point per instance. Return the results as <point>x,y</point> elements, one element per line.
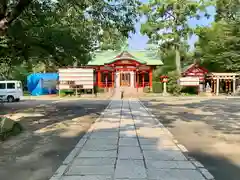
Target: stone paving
<point>128,143</point>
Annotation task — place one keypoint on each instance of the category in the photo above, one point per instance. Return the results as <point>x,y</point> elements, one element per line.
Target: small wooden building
<point>195,70</point>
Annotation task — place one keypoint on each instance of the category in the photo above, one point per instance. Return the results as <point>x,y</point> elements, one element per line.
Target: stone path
<point>127,143</point>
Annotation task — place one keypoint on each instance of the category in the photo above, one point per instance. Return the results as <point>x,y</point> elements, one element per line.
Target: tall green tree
<point>218,45</point>
<point>227,10</point>
<point>167,23</point>
<point>50,34</point>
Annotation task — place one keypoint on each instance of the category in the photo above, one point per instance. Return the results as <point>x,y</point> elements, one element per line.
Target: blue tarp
<point>34,83</point>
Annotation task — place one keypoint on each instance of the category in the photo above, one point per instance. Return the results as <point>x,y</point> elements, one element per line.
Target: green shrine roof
<point>144,57</point>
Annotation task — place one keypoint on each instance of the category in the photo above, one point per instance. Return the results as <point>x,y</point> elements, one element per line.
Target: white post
<point>117,79</point>
<point>132,79</point>
<point>164,88</point>
<point>234,85</point>
<point>217,88</point>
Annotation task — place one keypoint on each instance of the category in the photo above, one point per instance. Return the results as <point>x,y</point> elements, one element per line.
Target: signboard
<point>49,84</point>
<point>189,81</point>
<point>141,68</point>
<point>81,77</point>
<point>106,68</point>
<point>125,62</point>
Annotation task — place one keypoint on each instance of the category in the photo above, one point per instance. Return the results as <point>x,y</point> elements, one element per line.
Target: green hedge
<point>146,89</point>
<point>157,87</point>
<point>98,90</point>
<point>190,90</point>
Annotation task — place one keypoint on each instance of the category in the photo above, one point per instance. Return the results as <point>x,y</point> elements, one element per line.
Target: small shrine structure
<point>196,71</point>
<point>224,81</point>
<point>115,69</point>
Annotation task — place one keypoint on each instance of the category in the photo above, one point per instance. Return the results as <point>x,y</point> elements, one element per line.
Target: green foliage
<point>172,86</point>
<point>227,10</point>
<point>219,47</point>
<point>48,34</point>
<point>146,89</point>
<point>101,90</point>
<point>190,90</point>
<point>167,23</point>
<point>157,87</point>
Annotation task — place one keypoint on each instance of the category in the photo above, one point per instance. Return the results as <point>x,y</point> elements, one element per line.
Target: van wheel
<point>10,98</point>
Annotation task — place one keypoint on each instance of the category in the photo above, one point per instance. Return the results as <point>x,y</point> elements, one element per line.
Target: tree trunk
<point>7,16</point>
<point>3,26</point>
<point>178,61</point>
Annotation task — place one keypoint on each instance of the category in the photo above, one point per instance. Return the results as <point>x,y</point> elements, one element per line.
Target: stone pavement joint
<point>128,143</point>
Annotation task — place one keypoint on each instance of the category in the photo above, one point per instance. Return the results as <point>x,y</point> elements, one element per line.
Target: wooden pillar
<point>226,86</point>
<point>212,85</point>
<point>99,78</point>
<point>137,78</point>
<point>143,79</point>
<point>113,80</point>
<point>150,78</point>
<point>215,85</point>
<point>106,79</point>
<point>230,86</point>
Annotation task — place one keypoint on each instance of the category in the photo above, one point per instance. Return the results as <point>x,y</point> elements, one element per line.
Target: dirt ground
<point>209,129</point>
<point>50,133</point>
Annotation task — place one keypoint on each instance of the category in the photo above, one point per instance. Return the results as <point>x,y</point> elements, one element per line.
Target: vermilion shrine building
<point>124,69</point>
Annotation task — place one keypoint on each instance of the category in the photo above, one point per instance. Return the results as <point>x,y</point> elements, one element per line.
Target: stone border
<point>206,174</point>
<point>69,159</point>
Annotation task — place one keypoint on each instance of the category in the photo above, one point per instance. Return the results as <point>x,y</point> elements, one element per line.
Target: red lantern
<point>164,78</point>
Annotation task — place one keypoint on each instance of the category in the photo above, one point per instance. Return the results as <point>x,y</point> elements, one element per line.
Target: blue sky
<point>138,41</point>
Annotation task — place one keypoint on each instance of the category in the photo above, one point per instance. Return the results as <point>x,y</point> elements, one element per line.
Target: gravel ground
<point>209,129</point>
<point>50,133</point>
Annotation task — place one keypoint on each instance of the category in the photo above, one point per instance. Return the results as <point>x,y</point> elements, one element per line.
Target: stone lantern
<point>164,80</point>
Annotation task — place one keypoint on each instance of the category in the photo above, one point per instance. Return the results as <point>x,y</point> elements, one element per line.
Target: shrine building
<point>124,69</point>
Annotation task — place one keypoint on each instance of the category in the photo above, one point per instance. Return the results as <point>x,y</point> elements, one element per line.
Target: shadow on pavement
<point>50,133</point>
<point>222,116</point>
<point>220,167</point>
<point>30,158</point>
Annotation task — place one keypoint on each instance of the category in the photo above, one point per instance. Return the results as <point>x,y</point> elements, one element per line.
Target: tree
<point>227,10</point>
<point>9,11</point>
<point>218,45</point>
<point>167,23</point>
<point>112,39</point>
<point>99,10</point>
<point>50,34</point>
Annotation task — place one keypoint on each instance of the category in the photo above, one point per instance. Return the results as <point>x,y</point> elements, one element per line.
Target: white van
<point>11,90</point>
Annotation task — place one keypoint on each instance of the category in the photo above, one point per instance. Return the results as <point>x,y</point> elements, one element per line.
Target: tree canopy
<point>43,35</point>
<point>167,23</point>
<point>219,44</point>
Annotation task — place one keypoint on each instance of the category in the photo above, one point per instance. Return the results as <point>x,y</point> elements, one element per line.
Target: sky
<point>138,41</point>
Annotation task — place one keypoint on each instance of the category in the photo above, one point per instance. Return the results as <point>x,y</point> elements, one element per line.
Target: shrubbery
<point>172,86</point>
<point>190,90</point>
<point>157,87</point>
<point>146,89</point>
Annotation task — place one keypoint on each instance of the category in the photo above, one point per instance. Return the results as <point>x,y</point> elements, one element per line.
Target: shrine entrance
<point>125,79</point>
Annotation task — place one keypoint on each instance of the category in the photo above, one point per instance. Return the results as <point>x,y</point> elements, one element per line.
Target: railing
<point>104,84</point>
<point>111,84</point>
<point>141,84</point>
